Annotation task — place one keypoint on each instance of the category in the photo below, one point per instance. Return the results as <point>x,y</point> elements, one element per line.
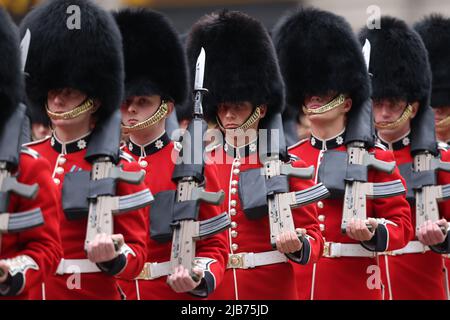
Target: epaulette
<point>212,146</point>
<point>126,156</point>
<point>443,146</point>
<point>32,153</point>
<point>32,143</point>
<point>380,146</point>
<point>298,143</point>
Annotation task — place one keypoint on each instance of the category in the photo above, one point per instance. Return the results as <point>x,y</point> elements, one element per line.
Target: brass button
<point>233,212</point>
<point>233,223</point>
<point>143,164</point>
<point>233,190</point>
<point>59,170</point>
<point>237,164</point>
<point>234,234</point>
<point>56,181</point>
<point>234,183</point>
<point>234,247</point>
<point>320,204</point>
<point>322,227</point>
<point>233,203</point>
<point>321,218</point>
<point>61,160</point>
<point>236,171</point>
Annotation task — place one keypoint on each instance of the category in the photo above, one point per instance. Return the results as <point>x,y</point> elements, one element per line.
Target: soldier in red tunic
<point>325,73</point>
<point>156,80</point>
<point>404,121</point>
<point>76,78</point>
<point>435,33</point>
<point>30,244</point>
<point>245,85</point>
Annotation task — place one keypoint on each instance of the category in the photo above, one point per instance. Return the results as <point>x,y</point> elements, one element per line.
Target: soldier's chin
<point>64,122</point>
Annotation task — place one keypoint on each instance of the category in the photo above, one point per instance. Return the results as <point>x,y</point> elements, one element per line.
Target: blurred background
<point>184,12</point>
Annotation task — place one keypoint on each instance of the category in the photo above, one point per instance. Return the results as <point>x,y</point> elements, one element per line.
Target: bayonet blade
<point>200,70</point>
<point>366,52</point>
<point>24,47</point>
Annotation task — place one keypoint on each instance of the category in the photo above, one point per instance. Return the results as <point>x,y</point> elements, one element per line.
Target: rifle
<point>357,189</point>
<point>422,177</point>
<point>10,145</point>
<point>360,136</point>
<point>103,153</point>
<point>189,177</point>
<point>428,194</point>
<point>276,172</point>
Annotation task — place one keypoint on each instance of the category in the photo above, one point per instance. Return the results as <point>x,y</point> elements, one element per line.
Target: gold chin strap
<point>406,115</point>
<point>444,123</point>
<point>336,102</point>
<point>84,107</point>
<point>154,119</point>
<point>247,124</point>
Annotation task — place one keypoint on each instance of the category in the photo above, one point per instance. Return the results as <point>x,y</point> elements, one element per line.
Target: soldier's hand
<point>102,248</point>
<point>4,271</point>
<point>181,281</point>
<point>357,229</point>
<point>430,233</point>
<point>288,242</point>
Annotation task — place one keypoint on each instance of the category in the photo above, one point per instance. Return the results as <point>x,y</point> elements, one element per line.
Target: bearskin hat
<point>11,75</point>
<point>241,63</point>
<point>62,54</point>
<point>155,60</point>
<point>398,62</point>
<point>435,33</point>
<point>318,53</point>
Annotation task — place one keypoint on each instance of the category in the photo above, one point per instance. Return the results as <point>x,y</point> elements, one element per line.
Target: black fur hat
<point>155,60</point>
<point>398,62</point>
<point>241,63</point>
<point>318,53</point>
<point>435,33</point>
<point>11,75</point>
<point>88,59</point>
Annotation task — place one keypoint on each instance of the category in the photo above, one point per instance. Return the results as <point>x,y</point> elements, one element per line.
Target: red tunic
<point>42,244</point>
<point>350,277</point>
<point>156,158</point>
<point>132,225</point>
<point>416,276</point>
<point>273,281</point>
<point>444,209</point>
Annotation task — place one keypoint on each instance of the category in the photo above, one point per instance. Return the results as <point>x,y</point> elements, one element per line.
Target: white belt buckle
<point>146,273</point>
<point>236,261</point>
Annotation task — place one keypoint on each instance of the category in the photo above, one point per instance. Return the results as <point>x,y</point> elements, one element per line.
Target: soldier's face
<point>440,114</point>
<point>136,109</point>
<point>317,101</point>
<point>387,111</point>
<point>40,131</point>
<point>63,100</point>
<point>233,115</point>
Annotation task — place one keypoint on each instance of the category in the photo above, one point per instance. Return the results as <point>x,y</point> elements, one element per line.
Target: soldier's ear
<point>348,102</point>
<point>97,105</point>
<point>415,109</point>
<point>263,109</point>
<point>170,107</point>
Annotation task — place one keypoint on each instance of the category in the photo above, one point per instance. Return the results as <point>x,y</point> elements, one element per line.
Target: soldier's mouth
<point>314,106</point>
